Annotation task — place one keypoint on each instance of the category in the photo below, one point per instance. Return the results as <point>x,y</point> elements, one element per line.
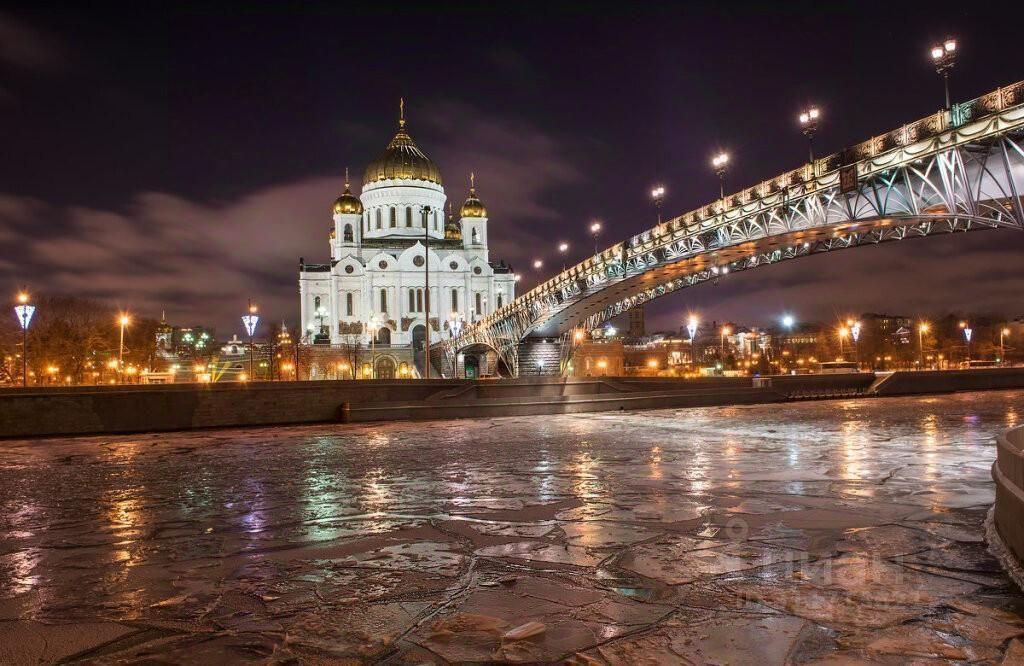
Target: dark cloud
<point>25,47</point>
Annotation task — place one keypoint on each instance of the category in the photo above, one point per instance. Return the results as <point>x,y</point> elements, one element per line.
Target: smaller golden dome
<point>347,203</point>
<point>473,206</point>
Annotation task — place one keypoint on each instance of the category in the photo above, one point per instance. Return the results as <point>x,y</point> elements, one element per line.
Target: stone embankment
<point>121,409</point>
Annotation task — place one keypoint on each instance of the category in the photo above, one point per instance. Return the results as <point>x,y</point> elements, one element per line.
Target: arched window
<point>408,216</point>
<point>499,300</point>
<point>479,310</point>
<point>435,220</point>
<point>379,222</point>
<point>419,300</point>
<point>384,300</point>
<point>476,236</point>
<point>347,234</point>
<point>412,300</point>
<point>316,303</point>
<point>348,304</point>
<point>394,218</point>
<point>455,300</point>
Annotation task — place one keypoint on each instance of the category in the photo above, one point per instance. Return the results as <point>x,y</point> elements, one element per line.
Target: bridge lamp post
<point>1003,332</point>
<point>249,321</point>
<point>809,125</point>
<point>563,248</point>
<point>720,162</point>
<point>658,196</point>
<point>944,57</point>
<point>595,229</point>
<point>922,328</point>
<point>24,311</point>
<point>123,320</point>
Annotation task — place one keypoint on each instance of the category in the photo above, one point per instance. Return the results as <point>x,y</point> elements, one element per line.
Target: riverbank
<point>37,412</point>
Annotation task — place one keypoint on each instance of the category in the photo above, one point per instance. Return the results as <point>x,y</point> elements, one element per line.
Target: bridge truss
<point>961,170</point>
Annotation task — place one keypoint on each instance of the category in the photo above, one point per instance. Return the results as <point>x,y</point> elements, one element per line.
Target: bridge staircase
<point>540,358</point>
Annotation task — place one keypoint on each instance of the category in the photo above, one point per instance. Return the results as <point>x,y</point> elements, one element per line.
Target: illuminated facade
<point>376,279</point>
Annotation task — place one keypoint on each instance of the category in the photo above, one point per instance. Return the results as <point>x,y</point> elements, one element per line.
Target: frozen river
<point>798,533</point>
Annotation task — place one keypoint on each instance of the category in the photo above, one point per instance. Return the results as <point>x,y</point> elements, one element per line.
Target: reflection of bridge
<point>958,170</point>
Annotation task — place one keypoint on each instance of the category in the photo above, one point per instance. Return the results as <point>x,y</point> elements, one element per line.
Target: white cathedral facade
<point>378,273</point>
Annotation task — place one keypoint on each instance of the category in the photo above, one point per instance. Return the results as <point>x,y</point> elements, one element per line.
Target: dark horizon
<point>184,159</point>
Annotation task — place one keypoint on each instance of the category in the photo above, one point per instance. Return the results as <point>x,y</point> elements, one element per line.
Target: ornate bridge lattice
<point>961,170</point>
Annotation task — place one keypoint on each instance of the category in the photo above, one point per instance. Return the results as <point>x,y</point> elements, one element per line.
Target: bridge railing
<point>822,173</point>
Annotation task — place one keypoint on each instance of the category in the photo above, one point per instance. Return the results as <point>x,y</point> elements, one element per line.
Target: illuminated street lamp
<point>249,321</point>
<point>922,328</point>
<point>563,248</point>
<point>855,334</point>
<point>24,311</point>
<point>809,125</point>
<point>691,327</point>
<point>843,333</point>
<point>944,57</point>
<point>968,333</point>
<point>537,264</point>
<point>595,229</point>
<point>373,325</point>
<point>720,162</point>
<point>658,196</point>
<point>1003,332</point>
<point>123,320</point>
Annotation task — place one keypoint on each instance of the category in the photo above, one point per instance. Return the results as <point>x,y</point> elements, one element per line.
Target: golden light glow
<point>602,364</point>
<point>123,319</point>
<point>1005,331</point>
<point>652,363</point>
<point>22,297</point>
<point>923,327</point>
<point>243,377</point>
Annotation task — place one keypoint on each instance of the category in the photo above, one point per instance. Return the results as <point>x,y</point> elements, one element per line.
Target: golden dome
<point>473,206</point>
<point>347,203</point>
<point>402,159</point>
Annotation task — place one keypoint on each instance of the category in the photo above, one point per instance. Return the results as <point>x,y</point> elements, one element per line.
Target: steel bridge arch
<point>954,171</point>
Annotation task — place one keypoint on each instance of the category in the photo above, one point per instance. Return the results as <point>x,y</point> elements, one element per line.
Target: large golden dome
<point>347,203</point>
<point>473,207</point>
<point>402,159</point>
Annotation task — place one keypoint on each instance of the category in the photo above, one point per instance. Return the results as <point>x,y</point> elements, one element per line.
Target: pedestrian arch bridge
<point>956,170</point>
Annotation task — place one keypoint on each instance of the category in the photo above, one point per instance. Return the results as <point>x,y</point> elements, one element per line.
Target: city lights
<point>249,321</point>
<point>658,196</point>
<point>691,327</point>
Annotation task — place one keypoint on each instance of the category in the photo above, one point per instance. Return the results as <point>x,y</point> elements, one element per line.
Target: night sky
<point>183,159</point>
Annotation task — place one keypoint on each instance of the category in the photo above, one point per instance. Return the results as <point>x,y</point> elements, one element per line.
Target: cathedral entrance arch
<point>472,366</point>
<point>419,336</point>
<point>385,368</point>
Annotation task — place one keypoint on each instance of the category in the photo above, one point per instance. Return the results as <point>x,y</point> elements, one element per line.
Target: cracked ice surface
<point>819,532</point>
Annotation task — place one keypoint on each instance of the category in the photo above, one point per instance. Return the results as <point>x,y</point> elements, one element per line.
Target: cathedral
<point>387,245</point>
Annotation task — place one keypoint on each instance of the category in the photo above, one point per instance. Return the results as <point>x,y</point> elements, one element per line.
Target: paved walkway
<point>820,532</point>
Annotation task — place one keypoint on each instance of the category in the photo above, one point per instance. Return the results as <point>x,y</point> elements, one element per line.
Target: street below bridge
<point>767,534</point>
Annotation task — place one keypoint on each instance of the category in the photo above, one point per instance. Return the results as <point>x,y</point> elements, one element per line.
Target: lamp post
<point>809,125</point>
<point>123,320</point>
<point>1003,332</point>
<point>595,229</point>
<point>968,333</point>
<point>24,311</point>
<point>787,322</point>
<point>658,196</point>
<point>373,325</point>
<point>922,328</point>
<point>563,249</point>
<point>720,162</point>
<point>455,326</point>
<point>944,57</point>
<point>855,334</point>
<point>843,332</point>
<point>249,321</point>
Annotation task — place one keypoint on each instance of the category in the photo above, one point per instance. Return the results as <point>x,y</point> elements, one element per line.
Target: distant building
<point>636,322</point>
